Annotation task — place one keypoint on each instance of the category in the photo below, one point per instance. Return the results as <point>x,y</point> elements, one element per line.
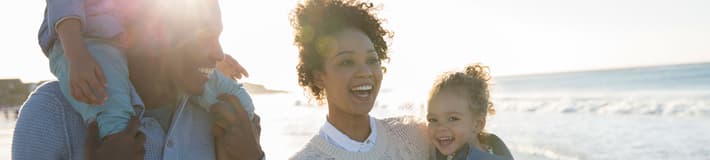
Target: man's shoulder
<point>45,100</point>
<point>42,129</point>
<point>50,88</point>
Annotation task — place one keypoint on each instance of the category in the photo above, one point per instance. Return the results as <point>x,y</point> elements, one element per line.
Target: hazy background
<point>512,36</point>
<point>647,113</point>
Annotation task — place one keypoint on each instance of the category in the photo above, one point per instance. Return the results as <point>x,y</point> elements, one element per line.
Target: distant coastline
<point>663,79</point>
<point>260,89</point>
<point>13,92</point>
<point>598,70</point>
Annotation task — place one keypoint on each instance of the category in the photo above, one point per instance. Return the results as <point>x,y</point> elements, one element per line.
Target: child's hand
<point>86,80</point>
<point>231,68</point>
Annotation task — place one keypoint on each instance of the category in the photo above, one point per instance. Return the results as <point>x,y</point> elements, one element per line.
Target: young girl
<point>458,105</point>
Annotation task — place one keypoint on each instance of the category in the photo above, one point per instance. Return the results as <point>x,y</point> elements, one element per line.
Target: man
<point>168,125</point>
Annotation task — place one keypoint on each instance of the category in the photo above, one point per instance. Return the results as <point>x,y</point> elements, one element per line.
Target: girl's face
<point>351,73</point>
<point>451,124</point>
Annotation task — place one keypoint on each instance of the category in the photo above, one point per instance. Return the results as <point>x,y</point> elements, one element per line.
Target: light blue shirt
<point>49,128</point>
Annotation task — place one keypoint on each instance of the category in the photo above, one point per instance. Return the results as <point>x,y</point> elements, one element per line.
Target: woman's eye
<point>431,120</point>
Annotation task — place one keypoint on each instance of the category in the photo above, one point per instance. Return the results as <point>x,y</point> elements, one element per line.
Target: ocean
<point>660,112</point>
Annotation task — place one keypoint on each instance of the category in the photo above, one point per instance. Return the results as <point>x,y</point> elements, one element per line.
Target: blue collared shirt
<point>49,128</point>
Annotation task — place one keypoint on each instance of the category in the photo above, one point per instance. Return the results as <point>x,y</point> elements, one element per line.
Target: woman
<point>341,47</point>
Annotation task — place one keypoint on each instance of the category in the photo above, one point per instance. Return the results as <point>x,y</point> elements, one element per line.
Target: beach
<point>664,116</point>
<point>7,126</point>
<point>637,113</point>
<point>540,135</point>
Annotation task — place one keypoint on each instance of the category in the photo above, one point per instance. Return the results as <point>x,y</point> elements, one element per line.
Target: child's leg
<point>219,84</point>
<point>248,105</point>
<point>246,101</point>
<point>243,98</point>
<point>116,111</point>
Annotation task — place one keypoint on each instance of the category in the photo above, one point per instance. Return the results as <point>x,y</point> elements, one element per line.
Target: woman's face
<point>351,74</point>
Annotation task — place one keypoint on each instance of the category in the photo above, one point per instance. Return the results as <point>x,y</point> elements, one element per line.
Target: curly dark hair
<point>472,83</point>
<point>315,19</point>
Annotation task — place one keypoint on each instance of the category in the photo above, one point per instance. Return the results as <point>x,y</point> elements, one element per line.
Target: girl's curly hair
<point>315,20</point>
<point>472,83</point>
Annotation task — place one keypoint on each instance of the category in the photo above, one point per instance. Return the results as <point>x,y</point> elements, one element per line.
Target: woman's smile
<point>362,92</point>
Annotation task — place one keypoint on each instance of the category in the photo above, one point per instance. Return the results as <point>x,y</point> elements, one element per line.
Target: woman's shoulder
<point>404,125</point>
<point>492,138</point>
<point>310,150</point>
<point>407,131</point>
<point>307,154</point>
<point>403,122</point>
<point>497,146</point>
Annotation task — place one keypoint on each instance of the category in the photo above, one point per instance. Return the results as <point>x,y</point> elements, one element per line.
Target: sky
<point>512,37</point>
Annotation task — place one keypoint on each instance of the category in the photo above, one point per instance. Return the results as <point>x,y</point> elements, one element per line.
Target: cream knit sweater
<point>397,138</point>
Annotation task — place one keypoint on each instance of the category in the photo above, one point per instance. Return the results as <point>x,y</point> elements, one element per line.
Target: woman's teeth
<point>362,91</point>
<point>363,88</point>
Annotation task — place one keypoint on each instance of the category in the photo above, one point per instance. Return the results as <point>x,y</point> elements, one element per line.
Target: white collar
<point>333,136</point>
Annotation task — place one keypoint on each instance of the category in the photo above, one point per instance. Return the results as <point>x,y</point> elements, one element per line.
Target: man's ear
<point>318,78</point>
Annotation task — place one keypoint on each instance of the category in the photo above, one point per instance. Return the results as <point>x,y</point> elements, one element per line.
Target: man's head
<point>183,49</point>
<point>190,63</point>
